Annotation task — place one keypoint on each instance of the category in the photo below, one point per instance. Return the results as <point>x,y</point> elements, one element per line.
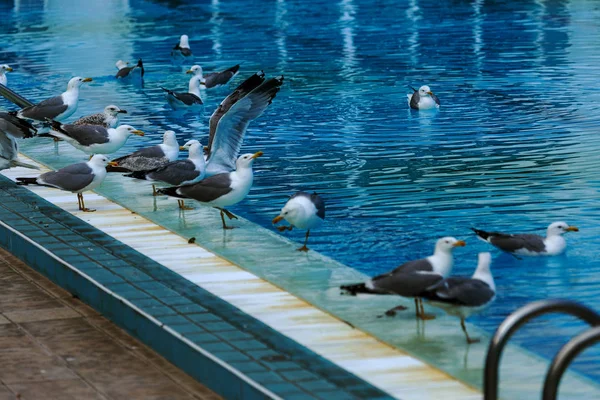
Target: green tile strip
<point>269,358</point>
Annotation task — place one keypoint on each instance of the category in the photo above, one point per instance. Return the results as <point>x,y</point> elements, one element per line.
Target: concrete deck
<point>53,346</point>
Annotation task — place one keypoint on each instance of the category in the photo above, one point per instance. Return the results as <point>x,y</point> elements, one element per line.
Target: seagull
<point>108,119</point>
<point>215,79</point>
<point>59,107</point>
<point>527,244</point>
<point>149,157</point>
<point>412,278</point>
<point>180,100</point>
<point>94,139</point>
<point>4,68</point>
<point>11,128</point>
<point>241,91</point>
<point>75,178</point>
<point>126,71</point>
<point>179,172</point>
<point>231,127</point>
<point>462,297</point>
<point>182,48</point>
<point>423,99</point>
<point>221,190</point>
<point>304,211</point>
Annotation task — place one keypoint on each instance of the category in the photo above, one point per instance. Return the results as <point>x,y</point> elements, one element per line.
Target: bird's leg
<point>182,205</point>
<point>82,205</point>
<point>422,315</point>
<point>285,228</point>
<point>79,206</point>
<point>154,192</point>
<point>304,248</point>
<point>223,219</point>
<point>417,310</point>
<point>464,328</point>
<point>229,215</point>
<point>392,311</point>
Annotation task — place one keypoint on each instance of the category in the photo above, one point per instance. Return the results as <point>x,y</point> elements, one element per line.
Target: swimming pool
<point>512,148</point>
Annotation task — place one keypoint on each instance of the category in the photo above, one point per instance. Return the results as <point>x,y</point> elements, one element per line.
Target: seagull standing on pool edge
<point>304,211</point>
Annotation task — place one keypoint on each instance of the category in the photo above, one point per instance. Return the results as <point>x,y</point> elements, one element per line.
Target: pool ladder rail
<point>563,358</point>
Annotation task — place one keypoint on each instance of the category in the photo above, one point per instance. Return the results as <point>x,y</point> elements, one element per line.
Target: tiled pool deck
<point>201,312</point>
<point>53,346</point>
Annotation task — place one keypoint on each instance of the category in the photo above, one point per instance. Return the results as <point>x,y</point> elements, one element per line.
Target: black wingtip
<point>170,191</point>
<point>482,234</point>
<point>414,90</point>
<point>354,289</point>
<point>26,181</point>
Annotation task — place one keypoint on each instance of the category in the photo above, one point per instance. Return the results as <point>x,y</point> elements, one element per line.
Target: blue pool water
<point>514,146</point>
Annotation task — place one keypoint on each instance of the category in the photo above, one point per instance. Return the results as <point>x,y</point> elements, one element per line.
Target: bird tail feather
<point>110,168</point>
<point>137,175</point>
<point>482,234</point>
<point>26,181</point>
<point>171,191</point>
<point>356,288</point>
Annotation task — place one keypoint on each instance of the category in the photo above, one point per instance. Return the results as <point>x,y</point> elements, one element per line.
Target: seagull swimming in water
<point>75,178</point>
<point>304,211</point>
<point>462,297</point>
<point>191,99</point>
<point>527,244</point>
<point>182,49</point>
<point>3,69</point>
<point>423,99</point>
<point>57,108</point>
<point>412,278</point>
<point>215,79</point>
<point>221,190</point>
<point>126,71</point>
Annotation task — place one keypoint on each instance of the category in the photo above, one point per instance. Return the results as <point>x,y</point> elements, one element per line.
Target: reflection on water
<point>514,146</point>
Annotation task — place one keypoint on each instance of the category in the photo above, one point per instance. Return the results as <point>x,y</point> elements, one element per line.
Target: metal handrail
<point>14,97</point>
<point>564,358</point>
<point>517,319</point>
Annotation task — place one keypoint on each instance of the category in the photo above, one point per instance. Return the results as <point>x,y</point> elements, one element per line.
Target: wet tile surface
<point>52,346</point>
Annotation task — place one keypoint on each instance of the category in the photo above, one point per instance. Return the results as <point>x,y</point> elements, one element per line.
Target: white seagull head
<point>184,41</point>
<point>558,228</point>
<point>189,144</point>
<point>196,70</point>
<point>100,160</point>
<point>246,160</point>
<point>447,244</point>
<point>76,82</point>
<point>128,130</point>
<point>114,110</point>
<point>121,64</point>
<point>170,138</point>
<point>425,91</point>
<point>5,68</point>
<point>483,271</point>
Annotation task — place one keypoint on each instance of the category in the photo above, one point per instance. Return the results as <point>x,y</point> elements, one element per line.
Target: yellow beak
<point>113,163</point>
<point>572,229</point>
<point>182,148</point>
<point>460,243</point>
<point>257,154</point>
<point>277,219</point>
<point>9,69</point>
<point>87,80</point>
<point>430,93</point>
<point>139,133</point>
<point>189,71</point>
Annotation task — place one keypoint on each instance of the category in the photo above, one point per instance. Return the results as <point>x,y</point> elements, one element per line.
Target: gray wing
<point>414,100</point>
<point>242,90</point>
<point>411,284</point>
<point>95,119</point>
<point>232,126</point>
<point>512,243</point>
<point>220,78</point>
<point>175,172</point>
<point>185,51</point>
<point>461,291</point>
<point>421,265</point>
<point>71,178</point>
<point>8,147</point>
<point>315,199</point>
<point>144,159</point>
<point>188,99</point>
<point>208,189</point>
<point>435,98</point>
<point>15,126</point>
<point>123,72</point>
<point>50,108</point>
<point>86,135</point>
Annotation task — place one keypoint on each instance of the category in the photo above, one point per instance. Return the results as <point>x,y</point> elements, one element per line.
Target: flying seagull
<point>126,71</point>
<point>423,99</point>
<point>3,69</point>
<point>94,139</point>
<point>411,279</point>
<point>182,48</point>
<point>149,157</point>
<point>527,244</point>
<point>462,297</point>
<point>178,172</point>
<point>12,128</point>
<point>304,211</point>
<point>75,178</point>
<point>189,99</point>
<point>221,190</point>
<point>215,79</point>
<point>57,108</point>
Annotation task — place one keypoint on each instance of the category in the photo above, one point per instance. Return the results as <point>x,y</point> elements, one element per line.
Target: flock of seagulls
<point>218,176</point>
